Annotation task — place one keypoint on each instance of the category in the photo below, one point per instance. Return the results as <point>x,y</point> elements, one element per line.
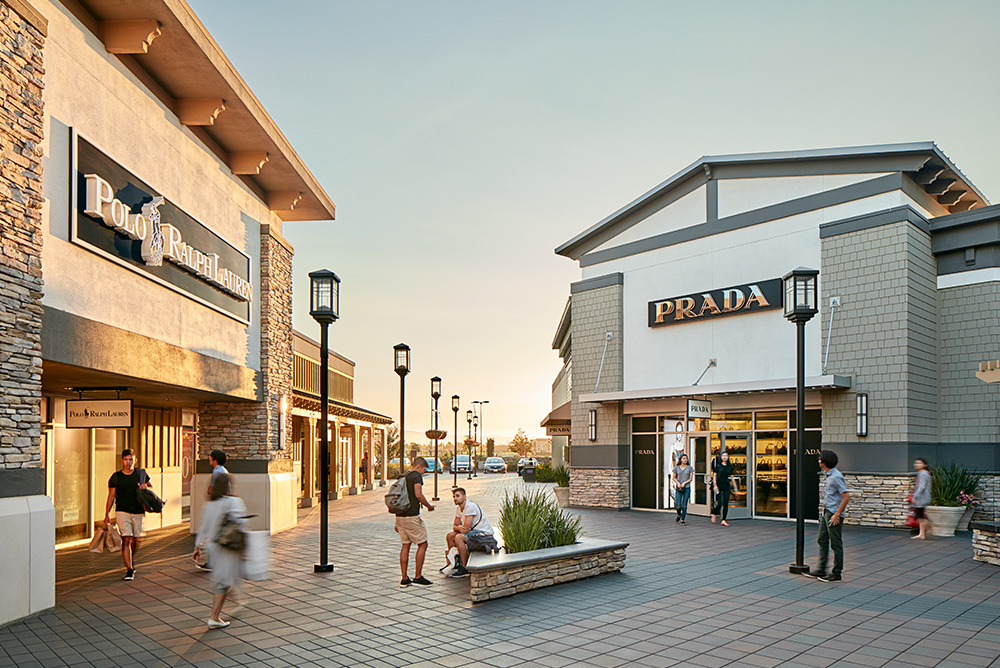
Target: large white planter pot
<point>944,519</point>
<point>963,523</point>
<point>562,495</point>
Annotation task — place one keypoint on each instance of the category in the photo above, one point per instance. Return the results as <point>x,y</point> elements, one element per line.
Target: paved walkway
<point>695,595</point>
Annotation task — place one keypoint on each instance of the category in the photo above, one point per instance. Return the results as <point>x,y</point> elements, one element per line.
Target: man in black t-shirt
<point>411,528</point>
<point>123,488</point>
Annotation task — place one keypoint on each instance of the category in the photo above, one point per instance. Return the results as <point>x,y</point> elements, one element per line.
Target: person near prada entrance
<point>676,342</point>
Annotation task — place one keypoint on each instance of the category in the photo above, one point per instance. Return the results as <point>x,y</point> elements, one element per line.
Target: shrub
<point>535,521</point>
<point>562,475</point>
<point>392,471</point>
<point>544,473</point>
<point>948,483</point>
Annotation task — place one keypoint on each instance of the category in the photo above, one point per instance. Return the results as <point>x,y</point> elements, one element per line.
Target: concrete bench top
<point>480,561</point>
<point>989,527</point>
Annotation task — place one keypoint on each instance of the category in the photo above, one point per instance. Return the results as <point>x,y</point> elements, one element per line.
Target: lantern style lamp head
<point>436,387</point>
<point>324,296</point>
<point>475,420</point>
<point>468,416</point>
<point>454,404</point>
<point>801,294</point>
<point>402,358</point>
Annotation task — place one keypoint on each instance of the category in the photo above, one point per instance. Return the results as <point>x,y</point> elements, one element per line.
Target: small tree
<point>521,444</point>
<point>490,445</point>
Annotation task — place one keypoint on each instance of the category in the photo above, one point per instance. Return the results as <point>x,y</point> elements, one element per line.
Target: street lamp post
<point>482,419</point>
<point>801,292</point>
<point>401,357</point>
<point>435,394</point>
<point>324,307</point>
<point>454,460</point>
<point>468,417</point>
<point>475,440</point>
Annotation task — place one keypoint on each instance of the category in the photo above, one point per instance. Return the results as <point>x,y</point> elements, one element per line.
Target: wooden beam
<point>283,200</point>
<point>129,37</point>
<point>939,186</point>
<point>200,111</point>
<point>249,162</point>
<point>951,197</point>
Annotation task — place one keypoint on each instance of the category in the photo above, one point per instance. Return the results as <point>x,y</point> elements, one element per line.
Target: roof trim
<point>909,157</point>
<point>828,382</point>
<point>562,330</point>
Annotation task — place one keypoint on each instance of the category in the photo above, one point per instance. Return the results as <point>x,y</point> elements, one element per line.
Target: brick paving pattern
<point>695,595</point>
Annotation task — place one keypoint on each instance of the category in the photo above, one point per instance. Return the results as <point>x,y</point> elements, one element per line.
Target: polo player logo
<point>152,244</point>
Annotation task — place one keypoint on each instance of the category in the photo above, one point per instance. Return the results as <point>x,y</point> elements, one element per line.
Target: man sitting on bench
<point>469,519</point>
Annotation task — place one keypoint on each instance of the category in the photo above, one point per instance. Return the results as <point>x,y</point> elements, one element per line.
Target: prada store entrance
<point>761,446</point>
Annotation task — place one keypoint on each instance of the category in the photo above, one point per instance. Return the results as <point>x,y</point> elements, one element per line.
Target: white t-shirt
<point>479,521</point>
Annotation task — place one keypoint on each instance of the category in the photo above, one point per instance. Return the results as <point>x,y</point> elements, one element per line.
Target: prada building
<point>676,341</point>
<point>145,284</point>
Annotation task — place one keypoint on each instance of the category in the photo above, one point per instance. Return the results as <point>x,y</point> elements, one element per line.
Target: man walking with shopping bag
<point>123,490</point>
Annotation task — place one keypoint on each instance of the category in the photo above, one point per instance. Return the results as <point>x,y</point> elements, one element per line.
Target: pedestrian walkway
<point>695,595</point>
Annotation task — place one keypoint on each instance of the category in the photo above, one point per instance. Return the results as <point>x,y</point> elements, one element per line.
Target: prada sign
<point>739,299</point>
<point>121,217</point>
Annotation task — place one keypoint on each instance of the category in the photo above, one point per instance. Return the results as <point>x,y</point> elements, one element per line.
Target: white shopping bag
<point>256,563</point>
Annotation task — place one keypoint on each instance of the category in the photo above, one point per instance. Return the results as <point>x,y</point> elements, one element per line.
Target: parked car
<point>431,467</point>
<point>526,461</point>
<point>461,464</point>
<point>495,464</point>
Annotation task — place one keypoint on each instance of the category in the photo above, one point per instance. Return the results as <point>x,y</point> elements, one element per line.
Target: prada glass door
<point>737,445</point>
<point>700,459</point>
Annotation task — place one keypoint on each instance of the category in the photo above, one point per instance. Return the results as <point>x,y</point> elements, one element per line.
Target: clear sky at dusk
<point>463,141</point>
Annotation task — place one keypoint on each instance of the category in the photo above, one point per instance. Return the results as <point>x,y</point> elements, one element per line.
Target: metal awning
<point>989,372</point>
<point>828,382</point>
<point>558,416</point>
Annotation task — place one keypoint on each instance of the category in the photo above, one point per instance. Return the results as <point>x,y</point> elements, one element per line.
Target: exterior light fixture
<point>801,286</point>
<point>592,424</point>
<point>324,296</point>
<point>454,459</point>
<point>862,414</point>
<point>402,358</point>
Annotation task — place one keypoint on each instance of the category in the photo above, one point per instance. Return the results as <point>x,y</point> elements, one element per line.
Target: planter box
<point>944,519</point>
<point>562,495</point>
<point>499,575</point>
<point>985,543</point>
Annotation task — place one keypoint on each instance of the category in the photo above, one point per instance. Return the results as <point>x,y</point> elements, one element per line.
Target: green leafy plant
<point>544,473</point>
<point>562,475</point>
<point>534,521</point>
<point>948,482</point>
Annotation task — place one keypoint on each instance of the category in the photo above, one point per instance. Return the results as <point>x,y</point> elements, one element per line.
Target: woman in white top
<point>225,562</point>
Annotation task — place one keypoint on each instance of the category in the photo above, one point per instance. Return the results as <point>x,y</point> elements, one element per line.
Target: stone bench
<point>499,575</point>
<point>986,542</point>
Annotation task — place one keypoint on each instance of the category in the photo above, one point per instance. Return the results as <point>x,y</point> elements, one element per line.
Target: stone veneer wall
<point>21,116</point>
<point>251,430</point>
<point>502,582</point>
<point>599,488</point>
<point>986,545</point>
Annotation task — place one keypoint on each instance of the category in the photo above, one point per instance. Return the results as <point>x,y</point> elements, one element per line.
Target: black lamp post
<point>468,417</point>
<point>324,307</point>
<point>435,394</point>
<point>401,358</point>
<point>801,289</point>
<point>475,439</point>
<point>454,461</point>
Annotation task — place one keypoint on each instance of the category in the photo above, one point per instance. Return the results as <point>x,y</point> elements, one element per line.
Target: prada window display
<point>759,443</point>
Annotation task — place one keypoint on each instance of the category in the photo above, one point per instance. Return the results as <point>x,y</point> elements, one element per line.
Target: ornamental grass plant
<point>534,521</point>
<point>948,483</point>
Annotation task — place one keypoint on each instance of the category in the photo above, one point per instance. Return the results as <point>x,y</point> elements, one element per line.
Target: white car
<point>495,464</point>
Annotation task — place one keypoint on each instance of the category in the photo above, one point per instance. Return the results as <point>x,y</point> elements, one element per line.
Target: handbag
<point>148,499</point>
<point>911,520</point>
<point>231,535</point>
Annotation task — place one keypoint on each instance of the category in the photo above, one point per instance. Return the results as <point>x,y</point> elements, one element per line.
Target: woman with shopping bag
<point>221,534</point>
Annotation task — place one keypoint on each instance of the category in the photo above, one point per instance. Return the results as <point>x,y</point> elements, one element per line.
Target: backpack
<point>231,535</point>
<point>397,500</point>
<point>148,499</point>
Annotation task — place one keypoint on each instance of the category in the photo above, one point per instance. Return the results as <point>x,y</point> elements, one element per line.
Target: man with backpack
<point>470,525</point>
<point>409,526</point>
<point>123,495</point>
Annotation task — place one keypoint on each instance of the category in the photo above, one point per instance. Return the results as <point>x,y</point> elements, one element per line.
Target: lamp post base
<point>798,569</point>
<point>323,568</point>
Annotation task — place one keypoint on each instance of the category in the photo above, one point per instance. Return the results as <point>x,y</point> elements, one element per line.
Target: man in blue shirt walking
<point>835,498</point>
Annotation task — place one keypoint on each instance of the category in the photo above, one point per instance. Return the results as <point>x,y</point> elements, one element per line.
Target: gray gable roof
<point>923,162</point>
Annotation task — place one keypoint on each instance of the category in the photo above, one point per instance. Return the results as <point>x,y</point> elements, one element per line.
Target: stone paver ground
<point>695,595</point>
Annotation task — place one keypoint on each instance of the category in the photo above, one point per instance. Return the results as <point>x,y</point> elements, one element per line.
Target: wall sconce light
<point>862,414</point>
<point>592,425</point>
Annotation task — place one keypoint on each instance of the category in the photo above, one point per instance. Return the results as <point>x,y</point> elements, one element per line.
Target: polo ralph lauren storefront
<point>676,340</point>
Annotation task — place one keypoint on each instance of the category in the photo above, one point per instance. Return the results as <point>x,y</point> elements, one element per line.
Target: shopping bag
<point>256,562</point>
<point>112,539</point>
<point>911,520</point>
<point>97,544</point>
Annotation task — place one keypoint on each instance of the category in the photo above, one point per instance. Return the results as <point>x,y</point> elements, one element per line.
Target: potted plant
<point>561,475</point>
<point>946,509</point>
<point>970,503</point>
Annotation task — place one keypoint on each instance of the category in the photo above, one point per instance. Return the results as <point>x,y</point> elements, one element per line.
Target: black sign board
<point>736,300</point>
<point>112,215</point>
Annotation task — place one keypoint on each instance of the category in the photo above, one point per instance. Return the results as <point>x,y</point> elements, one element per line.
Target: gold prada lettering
<point>685,308</point>
<point>748,297</point>
<point>708,305</point>
<point>732,299</point>
<point>664,309</point>
<point>756,296</point>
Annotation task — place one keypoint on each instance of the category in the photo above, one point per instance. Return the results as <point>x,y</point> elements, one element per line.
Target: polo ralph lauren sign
<point>121,217</point>
<point>737,300</point>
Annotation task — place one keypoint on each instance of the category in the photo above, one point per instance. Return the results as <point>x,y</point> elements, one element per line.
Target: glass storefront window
<point>731,422</point>
<point>771,460</point>
<point>771,420</point>
<point>71,483</point>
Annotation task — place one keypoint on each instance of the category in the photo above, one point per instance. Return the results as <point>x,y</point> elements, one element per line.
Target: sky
<point>463,141</point>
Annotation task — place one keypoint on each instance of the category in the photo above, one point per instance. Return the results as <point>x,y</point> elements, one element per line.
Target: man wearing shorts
<point>469,519</point>
<point>411,528</point>
<point>123,487</point>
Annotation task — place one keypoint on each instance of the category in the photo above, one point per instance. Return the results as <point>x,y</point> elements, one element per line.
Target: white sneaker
<point>212,624</point>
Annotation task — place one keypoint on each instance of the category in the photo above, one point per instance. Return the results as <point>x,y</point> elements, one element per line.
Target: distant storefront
<point>676,343</point>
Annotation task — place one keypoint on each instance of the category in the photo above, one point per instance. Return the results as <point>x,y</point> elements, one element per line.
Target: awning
<point>559,416</point>
<point>828,382</point>
<point>989,372</point>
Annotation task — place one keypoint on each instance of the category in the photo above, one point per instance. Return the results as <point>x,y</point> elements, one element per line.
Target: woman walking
<point>682,475</point>
<point>920,497</point>
<point>722,484</point>
<point>225,562</point>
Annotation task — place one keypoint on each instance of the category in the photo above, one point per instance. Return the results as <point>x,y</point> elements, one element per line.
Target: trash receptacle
<point>528,473</point>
